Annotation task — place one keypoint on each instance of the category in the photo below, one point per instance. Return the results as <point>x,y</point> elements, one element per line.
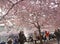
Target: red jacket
<point>47,34</point>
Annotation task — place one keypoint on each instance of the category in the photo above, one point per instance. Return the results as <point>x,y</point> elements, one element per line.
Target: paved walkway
<point>49,42</point>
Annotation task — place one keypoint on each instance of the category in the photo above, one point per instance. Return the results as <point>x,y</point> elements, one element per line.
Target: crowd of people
<point>46,36</point>
<point>18,40</point>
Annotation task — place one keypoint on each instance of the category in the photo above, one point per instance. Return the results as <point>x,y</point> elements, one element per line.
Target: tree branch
<point>38,26</point>
<point>9,10</point>
<point>10,1</point>
<point>35,25</point>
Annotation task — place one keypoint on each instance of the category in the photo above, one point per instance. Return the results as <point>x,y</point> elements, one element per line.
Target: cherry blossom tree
<point>30,13</point>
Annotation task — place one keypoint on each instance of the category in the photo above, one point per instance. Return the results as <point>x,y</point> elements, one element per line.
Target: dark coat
<point>9,42</point>
<point>22,37</point>
<point>57,33</point>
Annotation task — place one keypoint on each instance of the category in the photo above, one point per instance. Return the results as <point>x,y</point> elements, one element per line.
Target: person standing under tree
<point>47,35</point>
<point>34,37</point>
<point>22,37</point>
<point>57,33</point>
<point>9,41</point>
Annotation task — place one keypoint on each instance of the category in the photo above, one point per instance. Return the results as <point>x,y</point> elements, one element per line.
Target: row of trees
<point>32,13</point>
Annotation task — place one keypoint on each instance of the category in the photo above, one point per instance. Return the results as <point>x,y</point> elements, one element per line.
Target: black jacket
<point>57,34</point>
<point>22,37</point>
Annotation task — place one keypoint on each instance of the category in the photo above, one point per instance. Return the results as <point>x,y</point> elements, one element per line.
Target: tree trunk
<point>41,42</point>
